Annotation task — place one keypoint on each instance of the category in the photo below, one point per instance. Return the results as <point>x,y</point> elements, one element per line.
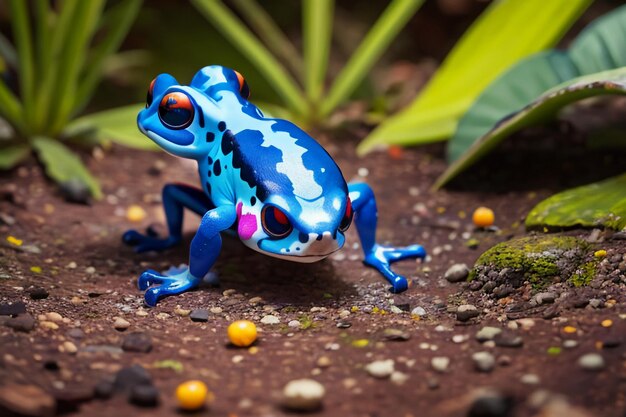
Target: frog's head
<point>181,119</point>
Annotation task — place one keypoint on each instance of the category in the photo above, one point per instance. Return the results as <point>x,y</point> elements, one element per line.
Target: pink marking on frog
<point>247,224</point>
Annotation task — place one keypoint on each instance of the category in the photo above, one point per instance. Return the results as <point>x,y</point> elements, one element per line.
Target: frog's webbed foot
<point>381,258</point>
<point>144,243</point>
<point>158,285</point>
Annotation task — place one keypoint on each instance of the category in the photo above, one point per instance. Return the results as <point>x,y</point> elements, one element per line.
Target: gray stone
<point>12,309</point>
<point>491,404</point>
<point>137,342</point>
<point>22,323</point>
<point>303,395</point>
<point>457,273</point>
<point>129,377</point>
<point>466,311</point>
<point>199,315</point>
<point>484,361</point>
<point>544,298</point>
<point>487,333</point>
<point>508,339</point>
<point>144,396</point>
<point>592,362</point>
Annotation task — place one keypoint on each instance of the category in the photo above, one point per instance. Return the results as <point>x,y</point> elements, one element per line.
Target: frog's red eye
<point>275,223</point>
<point>150,96</point>
<point>347,217</point>
<point>176,110</point>
<point>244,90</point>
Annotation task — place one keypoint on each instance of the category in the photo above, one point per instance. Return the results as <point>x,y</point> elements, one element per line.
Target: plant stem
<point>317,18</point>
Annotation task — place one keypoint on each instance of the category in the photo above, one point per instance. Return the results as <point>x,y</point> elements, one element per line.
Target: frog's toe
<point>399,284</point>
<point>151,296</point>
<point>148,279</point>
<point>132,237</point>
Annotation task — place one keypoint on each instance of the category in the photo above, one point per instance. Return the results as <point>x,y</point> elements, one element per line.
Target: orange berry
<point>242,333</point>
<point>193,395</point>
<point>483,217</point>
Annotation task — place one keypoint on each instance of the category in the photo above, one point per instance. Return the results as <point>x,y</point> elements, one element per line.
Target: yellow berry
<point>483,217</point>
<point>600,253</point>
<point>607,323</point>
<point>569,329</point>
<point>14,241</point>
<point>242,333</point>
<point>193,395</point>
<point>135,213</point>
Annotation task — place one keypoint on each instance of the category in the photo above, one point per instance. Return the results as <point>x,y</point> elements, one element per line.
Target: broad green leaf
<point>598,204</point>
<point>241,37</point>
<point>13,155</point>
<point>521,94</point>
<point>63,165</point>
<point>118,125</point>
<point>377,40</point>
<point>317,28</point>
<point>24,43</point>
<point>506,32</point>
<point>539,109</point>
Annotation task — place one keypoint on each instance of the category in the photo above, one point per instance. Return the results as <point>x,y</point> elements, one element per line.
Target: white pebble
<point>398,378</point>
<point>418,311</point>
<point>484,361</point>
<point>269,319</point>
<point>440,363</point>
<point>294,324</point>
<point>380,369</point>
<point>530,379</point>
<point>303,395</point>
<point>591,362</point>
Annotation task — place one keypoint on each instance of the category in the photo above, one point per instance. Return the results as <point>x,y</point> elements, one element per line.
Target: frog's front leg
<point>176,197</point>
<point>205,248</point>
<point>377,256</point>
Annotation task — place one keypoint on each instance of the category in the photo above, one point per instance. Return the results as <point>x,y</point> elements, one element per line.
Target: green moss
<point>584,274</point>
<point>536,257</point>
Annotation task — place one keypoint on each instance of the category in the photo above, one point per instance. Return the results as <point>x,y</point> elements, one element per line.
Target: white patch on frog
<point>313,211</point>
<point>336,204</point>
<point>354,195</point>
<point>302,179</point>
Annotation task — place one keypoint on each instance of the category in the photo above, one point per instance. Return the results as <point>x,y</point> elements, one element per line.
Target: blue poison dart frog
<point>262,178</point>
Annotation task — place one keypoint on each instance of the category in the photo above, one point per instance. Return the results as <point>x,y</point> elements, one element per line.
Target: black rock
<point>144,396</point>
<point>491,405</point>
<point>137,342</point>
<point>22,323</point>
<point>75,191</point>
<point>201,315</point>
<point>610,343</point>
<point>103,389</point>
<point>38,293</point>
<point>402,302</point>
<point>129,377</point>
<point>12,309</point>
<point>51,365</point>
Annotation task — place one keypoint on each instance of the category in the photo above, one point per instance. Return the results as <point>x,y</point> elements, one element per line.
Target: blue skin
<point>265,179</point>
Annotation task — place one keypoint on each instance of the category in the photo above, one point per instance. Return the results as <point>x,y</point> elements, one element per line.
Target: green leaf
<point>240,36</point>
<point>118,125</point>
<point>273,37</point>
<point>118,21</point>
<point>317,18</point>
<point>598,204</point>
<point>13,155</point>
<point>521,94</point>
<point>24,43</point>
<point>493,106</point>
<point>63,165</point>
<point>506,32</point>
<point>393,19</point>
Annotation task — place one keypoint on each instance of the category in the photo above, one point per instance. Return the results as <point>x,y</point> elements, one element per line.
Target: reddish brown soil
<point>90,237</point>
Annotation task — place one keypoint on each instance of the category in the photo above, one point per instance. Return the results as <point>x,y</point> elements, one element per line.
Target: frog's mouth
<point>305,259</point>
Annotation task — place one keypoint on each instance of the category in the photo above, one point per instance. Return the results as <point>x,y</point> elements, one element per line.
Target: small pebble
<point>457,273</point>
<point>440,363</point>
<point>491,404</point>
<point>466,311</point>
<point>303,395</point>
<point>75,191</point>
<point>591,362</point>
<point>120,324</point>
<point>398,378</point>
<point>103,389</point>
<point>418,311</point>
<point>55,317</point>
<point>380,369</point>
<point>269,319</point>
<point>48,325</point>
<point>181,311</point>
<point>459,338</point>
<point>28,400</point>
<point>199,315</point>
<point>69,347</point>
<point>324,362</point>
<point>396,335</point>
<point>570,344</point>
<point>127,378</point>
<point>294,324</point>
<point>487,333</point>
<point>530,379</point>
<point>12,309</point>
<point>22,323</point>
<point>507,339</point>
<point>484,361</point>
<point>38,293</point>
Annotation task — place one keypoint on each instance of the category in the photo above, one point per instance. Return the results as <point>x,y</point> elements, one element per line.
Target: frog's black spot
<point>297,248</point>
<point>225,166</point>
<point>303,237</point>
<point>287,250</point>
<point>210,136</point>
<point>200,117</point>
<point>252,200</point>
<point>209,160</point>
<point>221,126</point>
<point>319,237</point>
<point>228,142</point>
<point>217,168</point>
<point>209,173</point>
<point>208,187</point>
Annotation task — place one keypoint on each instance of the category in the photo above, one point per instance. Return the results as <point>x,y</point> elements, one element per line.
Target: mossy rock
<point>539,260</point>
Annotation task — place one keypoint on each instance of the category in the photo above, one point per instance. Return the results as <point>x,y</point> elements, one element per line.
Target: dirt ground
<point>74,252</point>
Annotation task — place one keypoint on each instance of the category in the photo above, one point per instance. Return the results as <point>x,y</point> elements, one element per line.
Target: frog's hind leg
<point>377,256</point>
<point>205,248</point>
<point>176,197</point>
